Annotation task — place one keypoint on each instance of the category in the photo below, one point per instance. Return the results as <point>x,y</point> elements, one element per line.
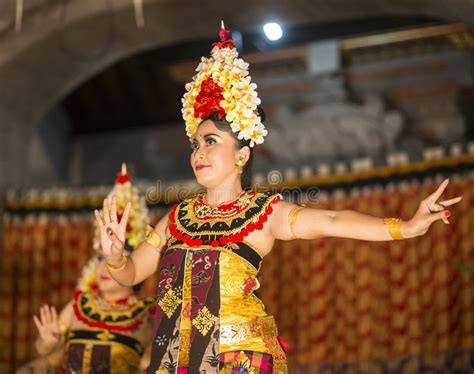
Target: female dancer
<point>106,328</point>
<point>210,247</point>
<point>103,330</point>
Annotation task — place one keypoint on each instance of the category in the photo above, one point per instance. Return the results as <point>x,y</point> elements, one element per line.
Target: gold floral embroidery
<point>169,303</point>
<point>204,321</point>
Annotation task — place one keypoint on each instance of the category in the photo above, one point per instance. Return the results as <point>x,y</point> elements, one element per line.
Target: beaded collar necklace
<point>196,223</point>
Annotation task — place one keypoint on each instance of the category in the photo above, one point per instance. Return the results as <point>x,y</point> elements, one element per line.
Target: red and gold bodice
<point>206,303</point>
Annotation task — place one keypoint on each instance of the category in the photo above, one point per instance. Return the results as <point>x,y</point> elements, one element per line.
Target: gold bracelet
<point>153,238</point>
<point>62,328</point>
<point>120,266</point>
<point>292,217</point>
<point>394,225</point>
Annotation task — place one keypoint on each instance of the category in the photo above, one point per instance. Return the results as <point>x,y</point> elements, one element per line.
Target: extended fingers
<point>105,209</point>
<point>37,322</point>
<point>113,214</point>
<point>450,201</point>
<point>126,212</point>
<point>47,313</point>
<point>441,207</point>
<point>43,314</point>
<point>54,314</point>
<point>436,195</point>
<point>98,218</point>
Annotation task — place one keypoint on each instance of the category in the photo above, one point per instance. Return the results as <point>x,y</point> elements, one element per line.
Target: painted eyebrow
<point>205,136</point>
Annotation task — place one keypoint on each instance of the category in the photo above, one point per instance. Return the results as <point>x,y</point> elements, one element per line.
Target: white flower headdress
<point>222,85</point>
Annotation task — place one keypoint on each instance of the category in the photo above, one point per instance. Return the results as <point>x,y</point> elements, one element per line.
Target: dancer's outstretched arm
<point>289,222</point>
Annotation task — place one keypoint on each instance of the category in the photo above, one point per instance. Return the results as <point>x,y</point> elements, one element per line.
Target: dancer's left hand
<point>429,211</point>
<point>47,324</point>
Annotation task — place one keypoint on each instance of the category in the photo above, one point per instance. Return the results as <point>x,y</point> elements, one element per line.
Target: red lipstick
<point>200,167</point>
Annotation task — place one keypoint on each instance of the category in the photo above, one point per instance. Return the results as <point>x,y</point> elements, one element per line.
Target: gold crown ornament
<point>222,86</point>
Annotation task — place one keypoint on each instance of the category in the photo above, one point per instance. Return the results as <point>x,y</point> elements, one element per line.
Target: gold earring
<point>240,163</point>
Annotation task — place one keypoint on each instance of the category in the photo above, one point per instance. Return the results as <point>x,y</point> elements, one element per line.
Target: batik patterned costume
<point>208,318</point>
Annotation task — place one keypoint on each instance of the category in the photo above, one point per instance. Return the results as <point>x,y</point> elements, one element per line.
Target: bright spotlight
<point>273,31</point>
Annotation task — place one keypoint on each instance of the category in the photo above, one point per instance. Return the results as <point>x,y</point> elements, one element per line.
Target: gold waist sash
<point>263,327</point>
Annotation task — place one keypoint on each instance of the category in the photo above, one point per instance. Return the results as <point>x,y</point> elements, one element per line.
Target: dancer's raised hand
<point>47,324</point>
<point>112,232</point>
<point>430,210</point>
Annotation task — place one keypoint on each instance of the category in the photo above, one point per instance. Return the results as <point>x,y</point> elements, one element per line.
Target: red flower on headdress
<point>208,100</point>
<point>224,43</point>
<point>223,33</point>
<point>123,178</point>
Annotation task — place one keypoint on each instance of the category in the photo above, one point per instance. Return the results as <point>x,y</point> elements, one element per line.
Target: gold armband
<point>393,225</point>
<point>153,238</point>
<point>292,217</point>
<point>120,266</point>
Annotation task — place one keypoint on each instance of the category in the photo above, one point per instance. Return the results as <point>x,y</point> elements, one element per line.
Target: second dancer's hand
<point>47,324</point>
<point>112,232</point>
